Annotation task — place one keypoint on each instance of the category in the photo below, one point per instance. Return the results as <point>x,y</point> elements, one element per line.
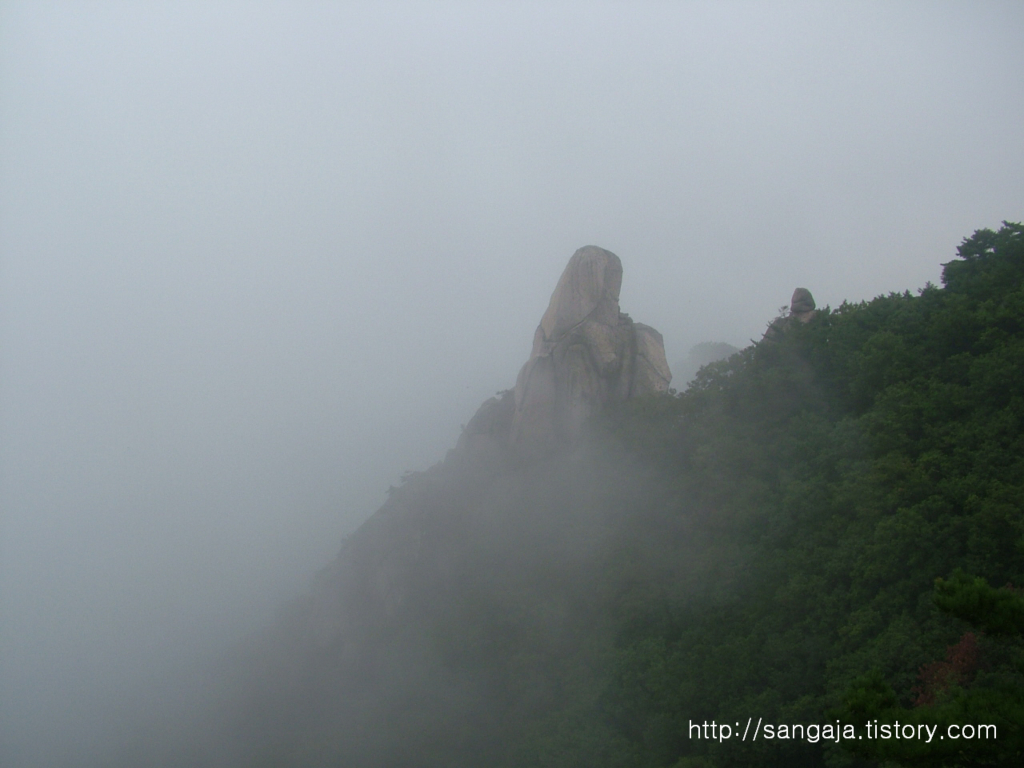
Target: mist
<point>259,260</point>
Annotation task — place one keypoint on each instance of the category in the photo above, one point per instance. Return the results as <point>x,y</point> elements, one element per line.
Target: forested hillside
<point>844,468</point>
<point>826,528</point>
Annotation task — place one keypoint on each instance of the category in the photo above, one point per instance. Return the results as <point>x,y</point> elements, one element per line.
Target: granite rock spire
<point>586,354</point>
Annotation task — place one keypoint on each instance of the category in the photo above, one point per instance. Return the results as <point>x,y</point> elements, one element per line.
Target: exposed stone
<point>588,288</point>
<point>801,310</point>
<point>586,354</point>
<point>652,372</point>
<point>801,306</point>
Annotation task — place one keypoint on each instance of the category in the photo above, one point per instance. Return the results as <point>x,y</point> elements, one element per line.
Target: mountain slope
<point>763,545</point>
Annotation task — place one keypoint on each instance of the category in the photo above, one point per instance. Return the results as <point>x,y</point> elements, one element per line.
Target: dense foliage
<point>853,471</point>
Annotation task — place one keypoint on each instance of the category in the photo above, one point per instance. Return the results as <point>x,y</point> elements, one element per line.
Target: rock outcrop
<point>586,354</point>
<point>801,306</point>
<point>801,310</point>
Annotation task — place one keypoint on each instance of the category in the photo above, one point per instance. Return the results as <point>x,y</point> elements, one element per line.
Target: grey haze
<point>259,259</point>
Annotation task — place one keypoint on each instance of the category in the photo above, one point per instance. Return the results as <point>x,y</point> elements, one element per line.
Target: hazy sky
<point>258,259</point>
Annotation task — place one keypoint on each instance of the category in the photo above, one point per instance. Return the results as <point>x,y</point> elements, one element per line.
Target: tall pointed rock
<point>586,353</point>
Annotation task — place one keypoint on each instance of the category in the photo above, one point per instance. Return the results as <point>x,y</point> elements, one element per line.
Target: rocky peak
<point>801,306</point>
<point>588,288</point>
<point>586,354</point>
<point>801,310</point>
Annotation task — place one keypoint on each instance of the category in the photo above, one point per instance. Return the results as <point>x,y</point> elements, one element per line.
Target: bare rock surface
<point>801,306</point>
<point>586,354</point>
<point>801,310</point>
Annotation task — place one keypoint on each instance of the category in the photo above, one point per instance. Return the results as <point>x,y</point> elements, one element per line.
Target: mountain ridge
<point>765,543</point>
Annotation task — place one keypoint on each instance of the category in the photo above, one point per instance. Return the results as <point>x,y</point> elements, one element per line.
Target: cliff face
<point>586,354</point>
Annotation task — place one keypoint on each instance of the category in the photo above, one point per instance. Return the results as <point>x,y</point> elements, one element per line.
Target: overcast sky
<point>258,259</point>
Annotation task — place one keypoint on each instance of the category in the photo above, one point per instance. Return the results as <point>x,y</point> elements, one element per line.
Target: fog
<point>258,260</point>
